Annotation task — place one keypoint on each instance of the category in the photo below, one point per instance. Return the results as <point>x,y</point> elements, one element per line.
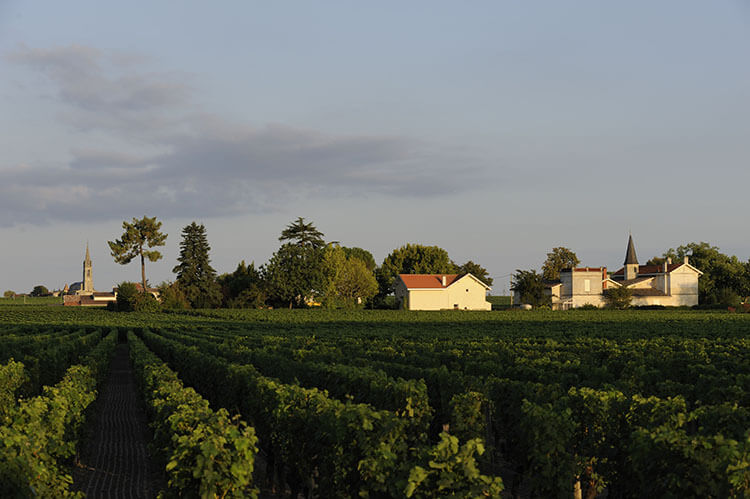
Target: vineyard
<point>392,404</point>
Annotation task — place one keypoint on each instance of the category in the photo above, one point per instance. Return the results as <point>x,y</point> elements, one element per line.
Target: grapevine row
<point>39,435</point>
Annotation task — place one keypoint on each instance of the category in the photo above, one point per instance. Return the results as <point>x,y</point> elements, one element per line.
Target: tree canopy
<point>723,275</point>
<point>243,288</point>
<point>294,274</point>
<point>477,271</point>
<point>136,238</point>
<point>530,287</point>
<point>558,259</point>
<point>348,280</point>
<point>363,255</point>
<point>303,234</point>
<point>39,290</point>
<point>195,276</point>
<point>413,259</point>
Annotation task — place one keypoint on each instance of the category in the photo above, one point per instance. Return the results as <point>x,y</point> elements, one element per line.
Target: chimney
<point>685,260</point>
<point>669,260</point>
<point>664,267</point>
<point>444,281</point>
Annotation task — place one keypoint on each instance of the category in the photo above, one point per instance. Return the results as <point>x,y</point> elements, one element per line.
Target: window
<point>467,290</point>
<point>587,285</point>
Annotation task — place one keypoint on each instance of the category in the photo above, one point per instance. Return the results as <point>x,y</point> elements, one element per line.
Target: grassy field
<point>32,300</point>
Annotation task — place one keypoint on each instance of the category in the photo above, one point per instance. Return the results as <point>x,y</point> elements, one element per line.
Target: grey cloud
<point>98,96</point>
<point>189,164</point>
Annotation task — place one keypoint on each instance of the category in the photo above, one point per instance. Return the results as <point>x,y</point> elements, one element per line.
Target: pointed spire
<point>630,257</point>
<point>88,256</point>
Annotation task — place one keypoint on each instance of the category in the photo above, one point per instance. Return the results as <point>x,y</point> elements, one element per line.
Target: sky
<point>497,130</point>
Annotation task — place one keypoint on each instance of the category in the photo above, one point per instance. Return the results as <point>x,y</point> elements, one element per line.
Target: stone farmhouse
<point>670,284</point>
<point>441,292</point>
<point>83,293</point>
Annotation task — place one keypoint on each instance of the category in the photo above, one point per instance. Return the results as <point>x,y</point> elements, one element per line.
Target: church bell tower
<point>631,261</point>
<point>88,280</point>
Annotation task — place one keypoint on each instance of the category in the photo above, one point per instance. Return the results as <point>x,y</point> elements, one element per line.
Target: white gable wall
<point>468,294</point>
<point>464,294</point>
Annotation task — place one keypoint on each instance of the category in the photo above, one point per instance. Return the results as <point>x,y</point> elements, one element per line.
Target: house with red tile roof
<point>669,284</point>
<point>441,292</point>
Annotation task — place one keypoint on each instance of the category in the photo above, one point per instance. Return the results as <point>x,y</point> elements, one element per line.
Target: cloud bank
<point>174,160</point>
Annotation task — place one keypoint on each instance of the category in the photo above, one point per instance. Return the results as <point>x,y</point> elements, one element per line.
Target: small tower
<point>87,285</point>
<point>631,261</point>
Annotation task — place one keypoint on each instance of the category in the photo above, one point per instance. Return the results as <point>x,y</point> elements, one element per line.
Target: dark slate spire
<point>630,257</point>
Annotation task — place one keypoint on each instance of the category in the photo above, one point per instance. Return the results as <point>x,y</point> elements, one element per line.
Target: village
<point>664,283</point>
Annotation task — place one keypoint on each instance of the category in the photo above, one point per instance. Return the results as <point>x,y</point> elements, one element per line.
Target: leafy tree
<point>303,234</point>
<point>127,292</point>
<point>412,259</point>
<point>138,236</point>
<point>530,287</point>
<point>618,297</point>
<point>348,280</point>
<point>39,291</point>
<point>477,271</point>
<point>295,273</point>
<point>9,294</point>
<point>363,255</point>
<point>243,288</point>
<point>195,276</point>
<point>172,297</point>
<point>720,271</point>
<point>558,259</point>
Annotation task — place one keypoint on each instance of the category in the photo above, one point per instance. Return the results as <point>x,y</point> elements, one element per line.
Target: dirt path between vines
<point>114,461</point>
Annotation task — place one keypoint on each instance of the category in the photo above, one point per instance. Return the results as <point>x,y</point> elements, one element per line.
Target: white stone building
<point>670,284</point>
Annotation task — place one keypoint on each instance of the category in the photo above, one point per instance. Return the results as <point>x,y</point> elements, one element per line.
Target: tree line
<point>306,270</point>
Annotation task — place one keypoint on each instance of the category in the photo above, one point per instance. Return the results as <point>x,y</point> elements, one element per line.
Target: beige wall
<point>579,283</point>
<point>466,292</point>
<point>667,301</point>
<point>684,281</point>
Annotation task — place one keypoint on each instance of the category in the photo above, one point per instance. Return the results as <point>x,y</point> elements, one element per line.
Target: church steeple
<point>87,286</point>
<point>631,261</point>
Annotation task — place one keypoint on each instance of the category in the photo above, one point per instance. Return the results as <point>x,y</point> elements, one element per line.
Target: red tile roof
<point>413,281</point>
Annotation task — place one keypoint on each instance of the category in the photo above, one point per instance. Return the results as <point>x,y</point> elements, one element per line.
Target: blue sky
<point>497,130</point>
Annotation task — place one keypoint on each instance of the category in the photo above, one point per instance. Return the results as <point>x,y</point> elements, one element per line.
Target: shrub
<point>172,297</point>
<point>728,298</point>
<point>145,302</point>
<point>126,296</point>
<point>618,297</point>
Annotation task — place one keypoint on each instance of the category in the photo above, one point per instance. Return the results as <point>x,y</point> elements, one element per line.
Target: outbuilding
<point>441,292</point>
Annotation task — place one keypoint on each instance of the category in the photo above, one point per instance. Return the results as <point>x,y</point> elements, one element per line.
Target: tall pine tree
<point>195,276</point>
